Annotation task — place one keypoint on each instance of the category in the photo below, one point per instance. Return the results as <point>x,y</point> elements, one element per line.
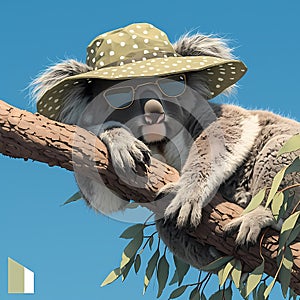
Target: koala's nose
<point>154,112</point>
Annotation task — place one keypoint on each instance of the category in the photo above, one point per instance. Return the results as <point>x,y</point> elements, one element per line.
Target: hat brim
<point>221,74</point>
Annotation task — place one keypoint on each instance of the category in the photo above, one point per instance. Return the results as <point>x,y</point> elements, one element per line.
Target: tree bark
<point>33,136</point>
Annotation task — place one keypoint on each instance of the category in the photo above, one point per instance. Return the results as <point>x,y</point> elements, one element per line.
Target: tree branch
<point>33,136</point>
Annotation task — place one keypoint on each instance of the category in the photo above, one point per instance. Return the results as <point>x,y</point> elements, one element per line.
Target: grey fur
<point>76,100</point>
<point>199,44</point>
<point>232,151</point>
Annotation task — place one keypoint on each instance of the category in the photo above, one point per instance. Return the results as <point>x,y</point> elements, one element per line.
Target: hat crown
<point>135,42</point>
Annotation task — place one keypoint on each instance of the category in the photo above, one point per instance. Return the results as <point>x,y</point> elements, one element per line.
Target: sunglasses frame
<point>146,83</point>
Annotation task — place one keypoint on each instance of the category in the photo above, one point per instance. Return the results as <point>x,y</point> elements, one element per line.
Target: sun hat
<point>140,50</point>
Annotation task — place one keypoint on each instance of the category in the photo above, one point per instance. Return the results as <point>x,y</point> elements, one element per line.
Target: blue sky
<point>70,248</point>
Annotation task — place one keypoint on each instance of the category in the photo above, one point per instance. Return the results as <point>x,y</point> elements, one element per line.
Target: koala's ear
<point>54,74</point>
<point>76,98</point>
<point>198,45</point>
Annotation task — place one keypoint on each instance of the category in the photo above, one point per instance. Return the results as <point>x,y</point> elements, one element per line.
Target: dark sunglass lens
<point>119,97</point>
<point>172,85</point>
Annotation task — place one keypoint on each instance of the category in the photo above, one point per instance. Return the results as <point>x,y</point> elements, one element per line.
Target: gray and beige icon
<point>20,279</point>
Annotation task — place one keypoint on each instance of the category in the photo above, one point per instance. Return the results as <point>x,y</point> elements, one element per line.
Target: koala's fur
<point>233,151</point>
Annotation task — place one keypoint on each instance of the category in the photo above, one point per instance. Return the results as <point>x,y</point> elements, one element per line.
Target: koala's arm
<point>213,158</point>
<point>125,150</point>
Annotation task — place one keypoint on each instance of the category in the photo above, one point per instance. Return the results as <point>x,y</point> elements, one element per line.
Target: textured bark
<point>32,136</point>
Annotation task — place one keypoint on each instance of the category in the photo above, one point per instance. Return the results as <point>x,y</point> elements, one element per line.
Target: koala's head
<point>153,107</point>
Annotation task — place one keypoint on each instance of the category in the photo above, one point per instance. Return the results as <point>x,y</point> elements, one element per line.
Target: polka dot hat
<point>139,50</point>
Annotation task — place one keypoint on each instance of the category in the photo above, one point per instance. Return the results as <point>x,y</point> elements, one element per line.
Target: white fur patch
<point>231,160</point>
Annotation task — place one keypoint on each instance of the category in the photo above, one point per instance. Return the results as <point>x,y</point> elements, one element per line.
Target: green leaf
<point>228,293</point>
<point>131,249</point>
<point>162,274</point>
<point>275,185</point>
<point>226,271</point>
<point>236,273</point>
<point>137,263</point>
<point>216,264</point>
<point>292,294</point>
<point>291,145</point>
<point>294,166</point>
<point>254,278</point>
<point>255,201</point>
<point>73,198</point>
<point>178,292</point>
<point>276,204</point>
<point>150,269</point>
<point>285,271</point>
<point>132,231</point>
<point>174,278</point>
<point>151,242</point>
<point>260,291</point>
<point>293,235</point>
<point>269,288</point>
<point>181,268</point>
<point>203,297</point>
<point>126,269</point>
<point>217,295</point>
<point>287,227</point>
<point>112,276</point>
<point>195,294</point>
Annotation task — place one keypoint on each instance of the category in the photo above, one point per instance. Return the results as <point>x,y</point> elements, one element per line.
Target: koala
<point>217,148</point>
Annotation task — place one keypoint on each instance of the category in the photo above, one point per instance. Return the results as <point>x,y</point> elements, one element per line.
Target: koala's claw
<point>248,230</point>
<point>187,209</point>
<point>250,225</point>
<point>127,152</point>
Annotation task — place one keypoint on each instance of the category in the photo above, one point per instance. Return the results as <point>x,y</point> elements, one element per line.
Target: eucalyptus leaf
<point>228,293</point>
<point>277,204</point>
<point>151,242</point>
<point>236,273</point>
<point>294,166</point>
<point>162,274</point>
<point>126,269</point>
<point>269,288</point>
<point>112,276</point>
<point>255,201</point>
<point>285,270</point>
<point>131,249</point>
<point>275,185</point>
<point>293,235</point>
<point>254,278</point>
<point>216,264</point>
<point>291,145</point>
<point>181,268</point>
<point>227,269</point>
<point>178,292</point>
<point>132,231</point>
<point>77,196</point>
<point>150,269</point>
<point>195,294</point>
<point>260,291</point>
<point>287,227</point>
<point>174,279</point>
<point>137,263</point>
<point>217,295</point>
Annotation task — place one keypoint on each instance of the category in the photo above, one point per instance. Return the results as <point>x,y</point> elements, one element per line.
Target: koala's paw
<point>126,151</point>
<point>249,226</point>
<point>185,206</point>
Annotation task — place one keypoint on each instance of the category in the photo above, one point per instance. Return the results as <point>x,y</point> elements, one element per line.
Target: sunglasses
<point>123,97</point>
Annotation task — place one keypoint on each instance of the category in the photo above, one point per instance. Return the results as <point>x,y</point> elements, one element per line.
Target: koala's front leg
<point>213,158</point>
<point>126,151</point>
